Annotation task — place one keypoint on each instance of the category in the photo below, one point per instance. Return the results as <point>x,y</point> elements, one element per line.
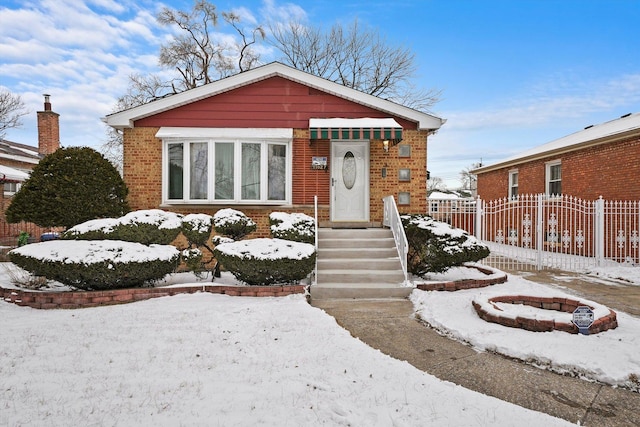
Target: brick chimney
<point>48,129</point>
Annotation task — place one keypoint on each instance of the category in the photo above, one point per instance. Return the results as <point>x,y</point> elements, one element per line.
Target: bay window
<point>225,170</point>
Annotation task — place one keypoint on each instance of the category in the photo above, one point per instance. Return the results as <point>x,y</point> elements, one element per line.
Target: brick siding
<point>142,173</point>
<point>609,170</point>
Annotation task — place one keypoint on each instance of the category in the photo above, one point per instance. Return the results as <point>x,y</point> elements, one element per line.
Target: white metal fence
<point>542,231</point>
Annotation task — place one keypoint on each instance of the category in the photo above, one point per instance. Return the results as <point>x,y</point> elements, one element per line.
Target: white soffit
<point>224,133</point>
<point>13,174</point>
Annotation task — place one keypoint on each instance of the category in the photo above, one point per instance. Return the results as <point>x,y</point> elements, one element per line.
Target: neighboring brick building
<point>601,160</point>
<point>271,139</point>
<point>17,161</point>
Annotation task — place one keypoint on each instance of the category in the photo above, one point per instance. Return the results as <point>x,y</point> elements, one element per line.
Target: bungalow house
<point>270,139</point>
<point>16,162</point>
<point>600,160</point>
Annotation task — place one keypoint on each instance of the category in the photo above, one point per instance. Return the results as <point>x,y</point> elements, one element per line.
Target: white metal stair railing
<point>392,220</point>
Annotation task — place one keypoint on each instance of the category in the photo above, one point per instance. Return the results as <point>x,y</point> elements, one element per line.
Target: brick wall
<point>142,172</point>
<point>609,170</point>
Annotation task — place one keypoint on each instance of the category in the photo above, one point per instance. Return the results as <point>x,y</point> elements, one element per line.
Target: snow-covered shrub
<point>218,240</point>
<point>292,226</point>
<point>267,261</point>
<point>193,259</point>
<point>153,226</point>
<point>97,265</point>
<point>197,228</point>
<point>435,246</point>
<point>233,224</point>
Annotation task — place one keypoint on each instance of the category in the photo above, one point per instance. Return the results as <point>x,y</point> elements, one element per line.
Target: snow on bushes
<point>293,226</point>
<point>267,261</point>
<point>197,228</point>
<point>143,226</point>
<point>233,224</point>
<point>97,265</point>
<point>435,246</point>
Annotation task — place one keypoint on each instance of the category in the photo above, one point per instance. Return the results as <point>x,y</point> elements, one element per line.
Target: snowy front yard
<point>207,359</point>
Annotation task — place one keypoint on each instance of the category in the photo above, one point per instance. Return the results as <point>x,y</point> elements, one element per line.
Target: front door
<point>350,180</point>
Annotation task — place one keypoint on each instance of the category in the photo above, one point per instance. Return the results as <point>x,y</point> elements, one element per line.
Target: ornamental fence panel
<point>537,231</point>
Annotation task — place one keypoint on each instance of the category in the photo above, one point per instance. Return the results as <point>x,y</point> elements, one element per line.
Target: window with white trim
<point>554,178</point>
<point>513,184</point>
<point>11,188</point>
<point>227,171</point>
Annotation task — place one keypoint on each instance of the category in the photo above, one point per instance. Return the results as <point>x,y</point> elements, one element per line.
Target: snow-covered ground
<point>611,356</point>
<point>210,360</point>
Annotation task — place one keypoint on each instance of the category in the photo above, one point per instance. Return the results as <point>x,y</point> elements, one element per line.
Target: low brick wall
<point>85,299</point>
<point>491,314</point>
<point>466,283</point>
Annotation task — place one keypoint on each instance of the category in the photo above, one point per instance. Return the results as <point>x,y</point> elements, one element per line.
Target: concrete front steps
<point>358,263</point>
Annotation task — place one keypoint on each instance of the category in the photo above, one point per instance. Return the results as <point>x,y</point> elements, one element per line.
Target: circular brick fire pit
<point>541,314</point>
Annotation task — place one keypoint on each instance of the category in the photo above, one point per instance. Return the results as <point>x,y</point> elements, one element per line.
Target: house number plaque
<point>318,163</point>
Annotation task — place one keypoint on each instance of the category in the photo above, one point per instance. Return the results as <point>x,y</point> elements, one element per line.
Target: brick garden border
<point>466,283</point>
<point>86,299</point>
<point>489,312</point>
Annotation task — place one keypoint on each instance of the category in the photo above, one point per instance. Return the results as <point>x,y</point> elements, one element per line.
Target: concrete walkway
<point>389,325</point>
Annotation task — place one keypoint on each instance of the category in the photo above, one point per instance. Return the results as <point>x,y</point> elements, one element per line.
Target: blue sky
<point>514,73</point>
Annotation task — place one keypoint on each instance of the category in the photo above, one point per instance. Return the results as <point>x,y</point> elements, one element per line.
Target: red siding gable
<point>272,103</point>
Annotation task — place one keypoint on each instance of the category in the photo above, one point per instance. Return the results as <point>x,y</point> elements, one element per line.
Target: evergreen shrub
<point>233,224</point>
<point>297,227</point>
<point>153,226</point>
<point>67,187</point>
<point>435,246</point>
<point>263,262</point>
<point>97,265</point>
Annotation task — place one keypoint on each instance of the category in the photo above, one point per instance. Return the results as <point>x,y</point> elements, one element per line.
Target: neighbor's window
<point>227,171</point>
<point>513,185</point>
<point>11,188</point>
<point>554,178</point>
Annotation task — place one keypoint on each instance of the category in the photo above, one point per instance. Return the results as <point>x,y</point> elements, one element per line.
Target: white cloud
<point>548,103</point>
<point>283,12</point>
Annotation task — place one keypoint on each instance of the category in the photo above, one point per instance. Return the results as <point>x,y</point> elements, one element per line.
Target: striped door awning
<point>363,128</point>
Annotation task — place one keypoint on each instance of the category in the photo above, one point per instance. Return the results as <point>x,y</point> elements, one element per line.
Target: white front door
<point>350,180</point>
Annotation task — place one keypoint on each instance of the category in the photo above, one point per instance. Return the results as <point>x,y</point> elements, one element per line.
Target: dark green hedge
<point>434,246</point>
<point>258,271</point>
<point>233,224</point>
<point>298,228</point>
<point>108,274</point>
<point>133,227</point>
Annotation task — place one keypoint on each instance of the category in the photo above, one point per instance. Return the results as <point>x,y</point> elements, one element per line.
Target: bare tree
<point>247,56</point>
<point>11,111</point>
<point>435,183</point>
<point>355,57</point>
<point>192,53</point>
<point>470,181</point>
<point>196,55</point>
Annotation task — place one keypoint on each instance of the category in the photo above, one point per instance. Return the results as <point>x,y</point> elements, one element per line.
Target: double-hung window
<point>11,188</point>
<point>554,178</point>
<point>513,185</point>
<point>222,169</point>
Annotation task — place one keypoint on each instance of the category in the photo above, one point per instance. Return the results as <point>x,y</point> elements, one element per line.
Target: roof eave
<point>556,152</point>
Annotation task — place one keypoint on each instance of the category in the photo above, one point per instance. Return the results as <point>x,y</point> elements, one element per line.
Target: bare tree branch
<point>355,57</point>
<point>12,109</point>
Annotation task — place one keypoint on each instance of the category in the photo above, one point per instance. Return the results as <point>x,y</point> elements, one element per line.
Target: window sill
<point>209,204</point>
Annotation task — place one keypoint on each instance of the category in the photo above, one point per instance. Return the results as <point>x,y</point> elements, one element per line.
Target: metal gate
<point>541,231</point>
